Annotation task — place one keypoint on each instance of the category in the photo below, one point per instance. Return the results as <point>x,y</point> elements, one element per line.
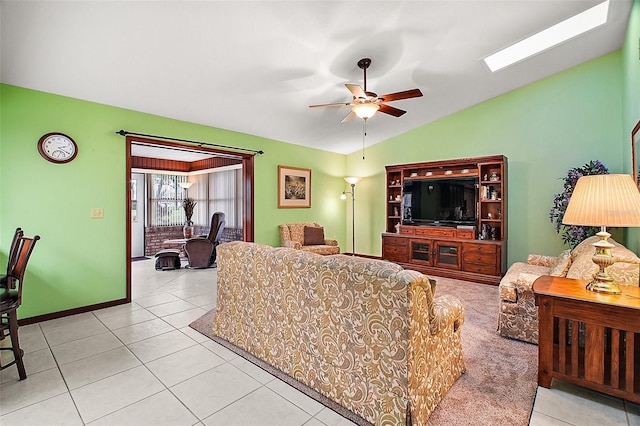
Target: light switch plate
<point>97,213</point>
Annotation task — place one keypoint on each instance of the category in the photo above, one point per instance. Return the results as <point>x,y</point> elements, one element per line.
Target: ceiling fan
<point>365,104</point>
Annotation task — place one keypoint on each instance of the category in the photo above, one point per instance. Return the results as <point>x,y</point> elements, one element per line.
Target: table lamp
<point>604,200</point>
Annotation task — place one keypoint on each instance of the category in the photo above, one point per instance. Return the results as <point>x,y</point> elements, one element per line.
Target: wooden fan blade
<point>348,117</point>
<point>356,90</point>
<point>330,105</point>
<point>391,110</point>
<point>413,93</point>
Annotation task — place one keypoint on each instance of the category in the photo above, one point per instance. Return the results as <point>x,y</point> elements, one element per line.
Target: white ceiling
<point>255,66</point>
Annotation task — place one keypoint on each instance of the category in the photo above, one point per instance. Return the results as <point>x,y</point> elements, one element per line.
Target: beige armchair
<point>294,235</point>
<point>518,316</point>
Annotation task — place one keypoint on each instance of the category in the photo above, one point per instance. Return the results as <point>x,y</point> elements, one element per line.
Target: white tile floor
<point>141,364</point>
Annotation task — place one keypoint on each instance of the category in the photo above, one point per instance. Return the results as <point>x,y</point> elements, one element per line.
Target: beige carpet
<point>500,384</point>
<point>501,380</point>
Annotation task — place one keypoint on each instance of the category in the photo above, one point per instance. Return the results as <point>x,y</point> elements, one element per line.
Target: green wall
<point>631,96</point>
<point>81,261</point>
<point>544,129</point>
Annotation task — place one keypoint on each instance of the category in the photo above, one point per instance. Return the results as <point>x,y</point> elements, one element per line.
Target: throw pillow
<point>313,236</point>
<point>561,265</point>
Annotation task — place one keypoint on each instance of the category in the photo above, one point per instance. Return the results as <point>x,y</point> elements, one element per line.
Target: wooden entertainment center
<point>469,242</point>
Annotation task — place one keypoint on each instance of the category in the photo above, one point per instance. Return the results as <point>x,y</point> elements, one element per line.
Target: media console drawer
<point>480,258</point>
<point>469,234</point>
<point>480,248</point>
<point>479,268</point>
<point>436,232</point>
<point>396,254</point>
<point>395,241</point>
<point>395,249</point>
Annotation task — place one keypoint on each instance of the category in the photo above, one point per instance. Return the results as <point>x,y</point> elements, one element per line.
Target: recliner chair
<point>201,250</point>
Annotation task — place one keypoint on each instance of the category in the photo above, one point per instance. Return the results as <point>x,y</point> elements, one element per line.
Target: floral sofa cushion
<point>364,333</point>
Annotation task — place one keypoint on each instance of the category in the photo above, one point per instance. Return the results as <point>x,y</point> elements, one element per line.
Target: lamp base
<point>602,282</point>
<point>604,287</point>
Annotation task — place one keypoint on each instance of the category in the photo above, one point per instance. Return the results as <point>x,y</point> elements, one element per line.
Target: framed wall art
<point>294,187</point>
<point>635,154</point>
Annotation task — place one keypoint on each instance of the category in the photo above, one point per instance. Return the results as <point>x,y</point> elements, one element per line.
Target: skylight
<point>552,36</point>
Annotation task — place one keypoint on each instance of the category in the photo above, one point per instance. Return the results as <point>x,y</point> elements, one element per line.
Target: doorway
<point>143,159</point>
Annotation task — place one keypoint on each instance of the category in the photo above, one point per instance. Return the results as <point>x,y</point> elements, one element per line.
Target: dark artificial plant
<point>188,205</point>
<point>572,234</point>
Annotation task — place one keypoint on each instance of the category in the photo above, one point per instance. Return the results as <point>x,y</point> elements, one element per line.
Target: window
<point>219,191</point>
<point>165,200</point>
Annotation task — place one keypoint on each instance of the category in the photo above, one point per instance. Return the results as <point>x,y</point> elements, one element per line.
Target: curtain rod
<point>253,151</point>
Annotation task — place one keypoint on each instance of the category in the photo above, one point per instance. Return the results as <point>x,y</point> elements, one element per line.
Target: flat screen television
<point>440,201</point>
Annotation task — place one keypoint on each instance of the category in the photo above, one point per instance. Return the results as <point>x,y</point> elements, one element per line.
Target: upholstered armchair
<point>518,316</point>
<point>201,251</point>
<point>308,236</point>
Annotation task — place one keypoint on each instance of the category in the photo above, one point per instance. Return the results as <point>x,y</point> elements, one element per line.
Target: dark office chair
<point>201,251</point>
<point>10,300</point>
<point>12,256</point>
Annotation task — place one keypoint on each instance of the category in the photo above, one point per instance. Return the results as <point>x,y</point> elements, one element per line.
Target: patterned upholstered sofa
<point>364,333</point>
<point>293,235</point>
<point>518,316</point>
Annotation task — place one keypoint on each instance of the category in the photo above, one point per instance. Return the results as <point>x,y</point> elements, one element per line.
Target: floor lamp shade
<point>352,180</point>
<point>604,200</point>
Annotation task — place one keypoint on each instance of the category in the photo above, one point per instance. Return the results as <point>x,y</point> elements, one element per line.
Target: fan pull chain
<point>364,134</point>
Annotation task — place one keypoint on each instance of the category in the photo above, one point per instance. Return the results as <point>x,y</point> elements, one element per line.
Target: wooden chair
<point>11,298</point>
<point>12,256</point>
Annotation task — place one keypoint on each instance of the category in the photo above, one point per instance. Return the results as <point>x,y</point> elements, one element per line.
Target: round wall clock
<point>57,148</point>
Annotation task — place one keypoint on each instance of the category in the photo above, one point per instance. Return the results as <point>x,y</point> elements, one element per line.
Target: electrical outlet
<point>97,213</point>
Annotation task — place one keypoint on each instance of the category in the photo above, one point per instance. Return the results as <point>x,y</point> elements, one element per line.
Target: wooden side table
<point>587,338</point>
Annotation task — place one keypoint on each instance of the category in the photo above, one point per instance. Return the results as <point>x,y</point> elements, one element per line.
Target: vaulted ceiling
<point>256,66</point>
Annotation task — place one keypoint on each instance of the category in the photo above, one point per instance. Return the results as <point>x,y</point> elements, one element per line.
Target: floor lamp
<point>351,180</point>
<point>188,205</point>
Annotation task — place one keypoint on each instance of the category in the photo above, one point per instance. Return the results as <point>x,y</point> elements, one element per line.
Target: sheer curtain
<point>218,191</point>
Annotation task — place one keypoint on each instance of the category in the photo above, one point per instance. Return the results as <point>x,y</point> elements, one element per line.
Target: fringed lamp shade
<point>604,200</point>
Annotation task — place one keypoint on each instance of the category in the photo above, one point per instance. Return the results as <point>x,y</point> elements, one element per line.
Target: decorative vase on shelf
<point>187,230</point>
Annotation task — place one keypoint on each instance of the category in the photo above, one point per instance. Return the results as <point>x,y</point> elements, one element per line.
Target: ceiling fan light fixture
<point>365,110</point>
